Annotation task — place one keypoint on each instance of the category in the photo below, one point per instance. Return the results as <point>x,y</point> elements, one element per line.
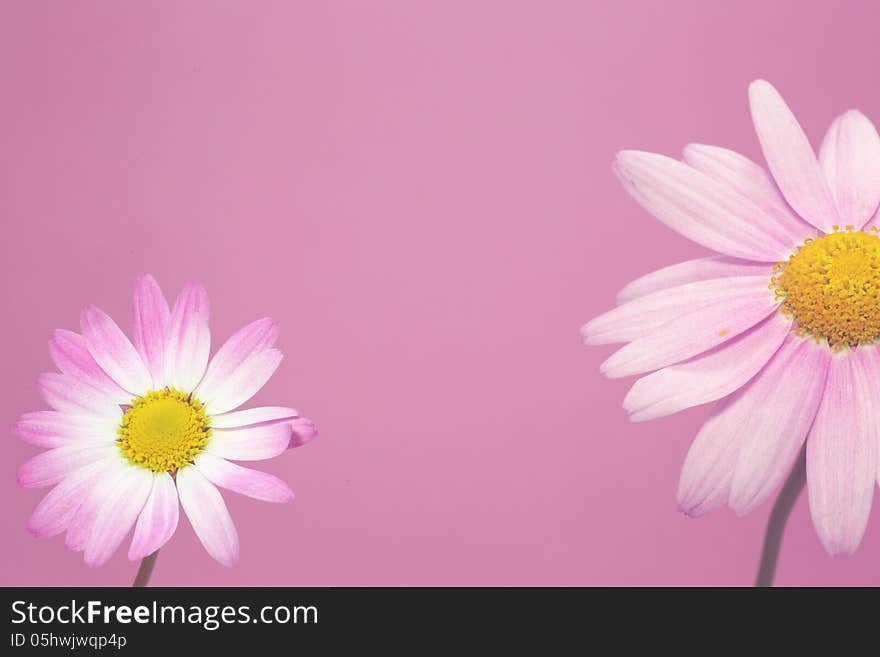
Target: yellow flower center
<point>831,287</point>
<point>164,430</point>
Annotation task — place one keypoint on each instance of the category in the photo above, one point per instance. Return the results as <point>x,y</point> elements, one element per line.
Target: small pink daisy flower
<point>782,327</point>
<point>139,425</point>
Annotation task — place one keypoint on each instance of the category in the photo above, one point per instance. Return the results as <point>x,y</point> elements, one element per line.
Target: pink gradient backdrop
<point>420,192</point>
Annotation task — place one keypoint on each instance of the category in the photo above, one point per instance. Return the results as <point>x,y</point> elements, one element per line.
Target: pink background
<point>420,192</point>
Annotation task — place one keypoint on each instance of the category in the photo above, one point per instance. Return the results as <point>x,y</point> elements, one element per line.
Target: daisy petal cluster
<point>780,326</point>
<point>142,427</point>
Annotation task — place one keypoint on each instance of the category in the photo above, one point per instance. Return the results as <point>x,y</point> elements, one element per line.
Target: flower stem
<point>146,569</point>
<point>778,517</point>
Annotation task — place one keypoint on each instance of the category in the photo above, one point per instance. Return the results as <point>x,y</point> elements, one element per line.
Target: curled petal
<point>253,483</point>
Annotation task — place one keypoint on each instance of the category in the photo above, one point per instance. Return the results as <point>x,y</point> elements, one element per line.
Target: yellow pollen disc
<point>164,430</point>
<point>831,287</point>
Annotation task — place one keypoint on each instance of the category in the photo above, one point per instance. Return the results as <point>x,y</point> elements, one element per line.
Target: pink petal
<point>842,451</point>
<point>189,339</point>
<point>105,487</point>
<point>790,157</point>
<point>700,208</point>
<point>207,512</point>
<point>251,416</point>
<point>70,395</point>
<point>303,431</point>
<point>708,467</point>
<point>259,485</point>
<point>692,333</point>
<point>642,316</point>
<point>248,341</point>
<point>55,429</point>
<point>711,376</point>
<point>151,319</point>
<point>692,271</point>
<point>850,160</point>
<point>771,418</point>
<point>51,466</point>
<point>157,520</point>
<point>55,511</point>
<point>256,443</point>
<point>117,515</point>
<point>114,352</point>
<point>71,355</point>
<point>752,181</point>
<point>242,384</point>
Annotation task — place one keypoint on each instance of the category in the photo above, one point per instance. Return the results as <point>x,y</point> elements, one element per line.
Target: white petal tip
<point>96,561</point>
<point>136,555</point>
<point>624,161</point>
<point>145,278</point>
<point>611,371</point>
<point>759,86</point>
<point>744,504</point>
<point>834,551</point>
<point>684,510</point>
<point>855,114</point>
<point>593,336</point>
<point>691,510</point>
<point>838,549</point>
<point>585,333</point>
<point>629,154</point>
<point>692,148</point>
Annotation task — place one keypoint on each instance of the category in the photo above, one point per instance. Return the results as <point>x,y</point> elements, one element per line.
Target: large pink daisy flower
<point>782,326</point>
<point>138,426</point>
